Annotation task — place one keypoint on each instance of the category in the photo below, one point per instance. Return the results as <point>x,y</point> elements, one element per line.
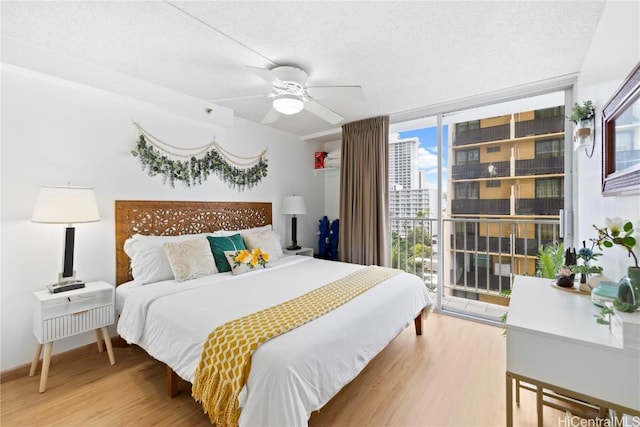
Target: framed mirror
<point>621,138</point>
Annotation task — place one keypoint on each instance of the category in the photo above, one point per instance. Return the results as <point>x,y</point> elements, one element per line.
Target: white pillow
<point>149,262</point>
<point>266,240</point>
<point>278,245</point>
<point>238,267</point>
<point>190,259</point>
<point>223,233</point>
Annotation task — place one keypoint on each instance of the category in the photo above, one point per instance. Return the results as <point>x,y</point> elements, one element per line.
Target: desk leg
<point>99,341</point>
<point>107,342</point>
<point>36,360</point>
<point>602,412</point>
<point>509,383</point>
<point>45,366</point>
<point>539,402</point>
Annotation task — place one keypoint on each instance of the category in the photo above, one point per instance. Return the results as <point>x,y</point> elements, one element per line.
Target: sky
<point>427,153</point>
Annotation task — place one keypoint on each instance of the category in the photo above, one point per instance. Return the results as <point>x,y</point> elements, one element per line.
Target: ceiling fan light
<point>287,104</point>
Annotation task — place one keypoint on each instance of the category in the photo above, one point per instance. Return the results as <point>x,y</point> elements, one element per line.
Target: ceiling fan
<point>290,95</point>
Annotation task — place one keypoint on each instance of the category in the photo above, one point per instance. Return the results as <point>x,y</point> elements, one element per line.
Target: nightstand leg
<point>45,366</point>
<point>99,341</point>
<point>539,405</point>
<point>107,341</point>
<point>35,361</point>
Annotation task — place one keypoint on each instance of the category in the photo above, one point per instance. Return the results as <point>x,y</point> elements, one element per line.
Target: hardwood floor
<point>453,375</point>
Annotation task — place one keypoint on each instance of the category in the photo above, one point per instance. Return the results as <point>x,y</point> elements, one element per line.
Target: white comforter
<point>293,374</point>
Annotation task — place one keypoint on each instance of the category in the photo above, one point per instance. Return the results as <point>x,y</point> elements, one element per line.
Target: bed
<point>291,375</point>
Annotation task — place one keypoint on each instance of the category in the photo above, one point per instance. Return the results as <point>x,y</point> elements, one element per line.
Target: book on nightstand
<point>62,287</point>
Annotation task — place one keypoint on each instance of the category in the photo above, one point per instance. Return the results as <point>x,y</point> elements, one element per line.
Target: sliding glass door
<point>475,193</point>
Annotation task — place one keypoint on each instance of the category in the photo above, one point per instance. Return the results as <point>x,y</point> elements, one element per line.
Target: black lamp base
<point>294,232</point>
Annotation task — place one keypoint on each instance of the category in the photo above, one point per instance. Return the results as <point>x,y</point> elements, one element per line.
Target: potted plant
<point>550,260</point>
<point>582,116</point>
<point>585,269</point>
<point>584,112</point>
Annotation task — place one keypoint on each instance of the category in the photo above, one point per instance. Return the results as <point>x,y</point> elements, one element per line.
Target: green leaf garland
<point>196,170</point>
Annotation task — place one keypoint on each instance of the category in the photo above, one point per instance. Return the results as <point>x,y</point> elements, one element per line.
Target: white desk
<point>554,342</point>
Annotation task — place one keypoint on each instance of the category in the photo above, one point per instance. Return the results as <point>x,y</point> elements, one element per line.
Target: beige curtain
<point>364,207</point>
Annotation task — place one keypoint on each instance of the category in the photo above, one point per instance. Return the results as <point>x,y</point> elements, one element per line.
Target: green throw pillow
<point>221,244</point>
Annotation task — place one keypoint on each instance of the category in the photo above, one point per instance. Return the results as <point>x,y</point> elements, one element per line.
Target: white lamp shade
<point>287,104</point>
<point>294,205</point>
<point>66,205</point>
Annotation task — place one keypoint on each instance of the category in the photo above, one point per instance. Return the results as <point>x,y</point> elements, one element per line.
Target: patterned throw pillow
<point>190,259</point>
<point>245,260</point>
<point>149,262</point>
<point>265,240</point>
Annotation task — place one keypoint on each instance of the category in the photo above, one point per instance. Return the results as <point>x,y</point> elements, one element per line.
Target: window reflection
<point>627,137</point>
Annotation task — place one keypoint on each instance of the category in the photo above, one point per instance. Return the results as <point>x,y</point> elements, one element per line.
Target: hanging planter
<point>582,116</point>
<point>158,157</point>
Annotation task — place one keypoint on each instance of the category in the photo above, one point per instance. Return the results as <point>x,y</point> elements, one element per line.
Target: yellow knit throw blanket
<point>226,359</point>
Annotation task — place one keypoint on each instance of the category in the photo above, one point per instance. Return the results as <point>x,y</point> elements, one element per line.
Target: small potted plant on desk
<point>565,275</point>
<point>585,269</point>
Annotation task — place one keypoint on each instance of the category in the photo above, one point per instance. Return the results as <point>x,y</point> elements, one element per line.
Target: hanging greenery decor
<point>158,157</point>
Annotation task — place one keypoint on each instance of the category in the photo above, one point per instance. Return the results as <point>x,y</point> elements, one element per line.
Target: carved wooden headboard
<point>173,218</point>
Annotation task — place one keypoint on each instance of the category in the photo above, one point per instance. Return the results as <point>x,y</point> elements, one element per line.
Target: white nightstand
<point>69,313</point>
<point>301,251</point>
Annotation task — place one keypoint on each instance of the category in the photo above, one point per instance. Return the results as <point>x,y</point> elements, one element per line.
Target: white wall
<point>614,51</point>
<point>57,132</point>
<point>332,185</point>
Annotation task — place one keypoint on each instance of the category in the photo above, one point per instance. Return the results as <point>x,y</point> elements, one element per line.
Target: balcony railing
<point>478,255</point>
<point>473,136</point>
<point>480,206</point>
<point>539,206</point>
<point>540,126</point>
<point>541,166</point>
<point>480,170</point>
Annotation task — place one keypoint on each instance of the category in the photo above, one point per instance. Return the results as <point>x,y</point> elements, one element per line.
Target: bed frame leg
<point>418,322</point>
<point>172,383</point>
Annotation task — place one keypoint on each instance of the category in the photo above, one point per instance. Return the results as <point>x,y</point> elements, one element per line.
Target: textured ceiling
<point>405,55</point>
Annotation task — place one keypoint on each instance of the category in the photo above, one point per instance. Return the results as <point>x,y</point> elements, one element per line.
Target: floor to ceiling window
<point>474,194</point>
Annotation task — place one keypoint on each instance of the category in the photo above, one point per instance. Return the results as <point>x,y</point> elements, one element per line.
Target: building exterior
<point>410,203</point>
<point>403,163</point>
<point>409,195</point>
<point>509,167</point>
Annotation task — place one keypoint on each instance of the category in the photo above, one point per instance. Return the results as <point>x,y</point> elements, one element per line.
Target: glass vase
<point>629,289</point>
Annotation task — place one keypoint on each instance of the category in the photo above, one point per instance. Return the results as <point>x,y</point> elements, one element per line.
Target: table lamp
<point>66,205</point>
<point>294,205</point>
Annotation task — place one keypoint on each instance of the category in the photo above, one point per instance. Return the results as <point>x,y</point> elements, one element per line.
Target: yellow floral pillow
<point>244,260</point>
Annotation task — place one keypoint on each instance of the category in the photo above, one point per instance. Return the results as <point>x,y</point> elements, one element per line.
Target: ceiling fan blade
<point>236,98</point>
<point>323,112</point>
<point>271,116</point>
<point>354,93</point>
<point>265,75</point>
